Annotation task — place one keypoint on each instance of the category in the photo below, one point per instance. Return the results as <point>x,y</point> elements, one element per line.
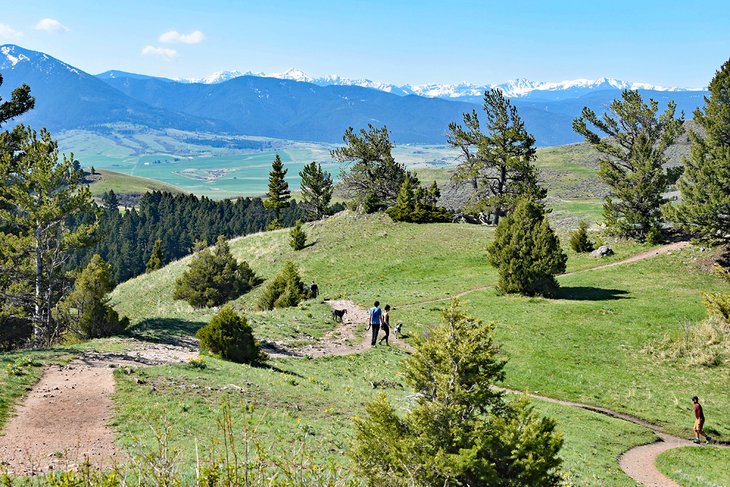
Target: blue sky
<point>668,43</point>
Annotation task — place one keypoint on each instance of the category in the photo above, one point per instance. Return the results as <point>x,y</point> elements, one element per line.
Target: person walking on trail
<point>314,289</point>
<point>385,323</point>
<point>699,422</point>
<point>374,321</point>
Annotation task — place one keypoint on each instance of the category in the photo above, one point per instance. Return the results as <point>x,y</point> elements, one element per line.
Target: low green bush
<point>230,336</point>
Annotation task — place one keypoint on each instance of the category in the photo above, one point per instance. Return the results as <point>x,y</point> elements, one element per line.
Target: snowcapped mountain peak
<point>13,55</point>
<point>293,74</point>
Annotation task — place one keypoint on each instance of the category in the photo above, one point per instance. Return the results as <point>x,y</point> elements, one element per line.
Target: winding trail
<point>63,420</point>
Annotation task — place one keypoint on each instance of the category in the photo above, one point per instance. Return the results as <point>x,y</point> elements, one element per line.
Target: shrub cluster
<point>286,290</point>
<point>416,204</point>
<point>579,241</point>
<point>298,239</point>
<point>230,336</point>
<point>85,313</point>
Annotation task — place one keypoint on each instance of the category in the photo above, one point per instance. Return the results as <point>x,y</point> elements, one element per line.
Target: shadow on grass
<point>164,330</point>
<point>587,293</point>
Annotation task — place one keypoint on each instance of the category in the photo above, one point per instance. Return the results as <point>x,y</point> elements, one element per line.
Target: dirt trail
<point>63,418</point>
<point>639,462</point>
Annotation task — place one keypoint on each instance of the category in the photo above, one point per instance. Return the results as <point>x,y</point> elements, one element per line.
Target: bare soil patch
<point>63,420</point>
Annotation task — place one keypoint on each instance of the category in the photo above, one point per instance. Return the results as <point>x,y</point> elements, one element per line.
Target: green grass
<point>105,181</point>
<point>696,466</point>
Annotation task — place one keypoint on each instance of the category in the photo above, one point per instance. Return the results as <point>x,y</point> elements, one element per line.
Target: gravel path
<point>63,420</point>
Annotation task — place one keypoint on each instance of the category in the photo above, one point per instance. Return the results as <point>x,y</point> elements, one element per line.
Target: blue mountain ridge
<point>67,97</point>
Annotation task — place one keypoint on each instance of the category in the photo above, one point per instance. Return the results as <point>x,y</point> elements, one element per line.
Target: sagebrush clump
<point>231,337</point>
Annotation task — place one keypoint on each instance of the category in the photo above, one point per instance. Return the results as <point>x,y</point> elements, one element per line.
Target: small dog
<point>337,314</point>
<point>397,331</point>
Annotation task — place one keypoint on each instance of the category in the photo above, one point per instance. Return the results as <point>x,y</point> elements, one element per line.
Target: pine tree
<point>39,196</point>
<point>372,178</point>
<point>278,195</point>
<point>298,239</point>
<point>634,152</point>
<point>19,103</point>
<point>497,162</point>
<point>285,290</point>
<point>704,209</point>
<point>85,312</point>
<point>416,204</point>
<point>316,187</point>
<point>155,260</point>
<point>579,241</point>
<point>459,431</point>
<point>526,252</point>
<point>214,277</point>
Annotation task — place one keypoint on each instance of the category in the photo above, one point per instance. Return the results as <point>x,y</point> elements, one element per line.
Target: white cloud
<point>174,36</point>
<point>7,32</point>
<point>159,51</point>
<point>50,25</point>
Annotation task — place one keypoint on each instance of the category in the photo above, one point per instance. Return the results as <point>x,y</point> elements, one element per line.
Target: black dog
<point>337,314</point>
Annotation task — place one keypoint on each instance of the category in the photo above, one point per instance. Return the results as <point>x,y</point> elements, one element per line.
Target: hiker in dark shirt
<point>314,289</point>
<point>699,422</point>
<point>385,323</point>
<point>374,321</point>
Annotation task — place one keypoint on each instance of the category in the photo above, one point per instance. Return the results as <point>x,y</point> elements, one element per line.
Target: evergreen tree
<point>579,241</point>
<point>526,252</point>
<point>316,187</point>
<point>285,290</point>
<point>373,177</point>
<point>278,195</point>
<point>85,312</point>
<point>155,260</point>
<point>39,196</point>
<point>19,103</point>
<point>634,153</point>
<point>417,204</point>
<point>704,209</point>
<point>230,336</point>
<point>214,277</point>
<point>460,431</point>
<point>497,162</point>
<point>298,239</point>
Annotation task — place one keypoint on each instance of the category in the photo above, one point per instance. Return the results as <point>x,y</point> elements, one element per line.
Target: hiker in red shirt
<point>699,422</point>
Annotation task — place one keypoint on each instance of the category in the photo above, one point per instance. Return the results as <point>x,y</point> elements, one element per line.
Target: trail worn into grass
<point>63,420</point>
<point>664,249</point>
<point>639,462</point>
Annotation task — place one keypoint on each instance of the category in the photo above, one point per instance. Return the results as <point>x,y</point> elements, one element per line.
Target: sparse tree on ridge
<point>526,252</point>
<point>634,144</point>
<point>497,162</point>
<point>278,195</point>
<point>316,187</point>
<point>373,177</point>
<point>704,209</point>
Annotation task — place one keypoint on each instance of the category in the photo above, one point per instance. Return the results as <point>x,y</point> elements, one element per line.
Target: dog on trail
<point>337,314</point>
<point>397,331</point>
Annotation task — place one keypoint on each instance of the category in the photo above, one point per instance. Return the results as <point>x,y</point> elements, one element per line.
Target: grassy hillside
<point>587,345</point>
<point>124,185</point>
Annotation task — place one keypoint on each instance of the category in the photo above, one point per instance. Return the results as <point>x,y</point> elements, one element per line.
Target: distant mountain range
<point>519,88</point>
<point>292,105</point>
